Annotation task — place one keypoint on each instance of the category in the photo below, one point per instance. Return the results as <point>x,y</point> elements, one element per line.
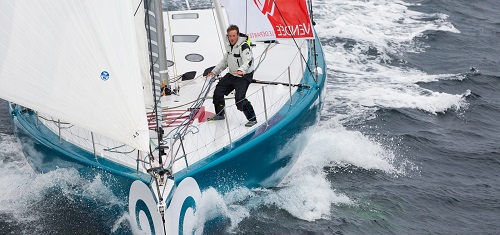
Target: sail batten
<point>83,62</point>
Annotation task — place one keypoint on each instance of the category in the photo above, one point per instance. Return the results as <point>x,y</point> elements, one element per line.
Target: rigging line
<point>113,150</point>
<point>288,29</point>
<point>199,101</point>
<point>196,100</point>
<point>54,121</point>
<point>188,82</point>
<point>138,6</point>
<point>179,132</point>
<point>120,152</point>
<point>262,57</point>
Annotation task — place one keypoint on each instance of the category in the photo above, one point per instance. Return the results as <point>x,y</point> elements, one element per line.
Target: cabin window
<point>170,63</point>
<point>185,16</point>
<point>194,57</point>
<point>185,38</point>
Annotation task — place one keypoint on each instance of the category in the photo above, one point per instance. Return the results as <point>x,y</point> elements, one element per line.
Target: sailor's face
<point>233,37</point>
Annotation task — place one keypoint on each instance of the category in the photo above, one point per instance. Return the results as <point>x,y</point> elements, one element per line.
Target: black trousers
<point>226,85</point>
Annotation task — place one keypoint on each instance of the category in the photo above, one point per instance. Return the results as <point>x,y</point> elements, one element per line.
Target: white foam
<point>370,35</point>
<point>305,193</point>
<point>340,147</point>
<point>379,22</point>
<point>22,189</point>
<point>11,155</point>
<point>308,197</point>
<point>310,200</point>
<point>361,80</point>
<point>125,220</point>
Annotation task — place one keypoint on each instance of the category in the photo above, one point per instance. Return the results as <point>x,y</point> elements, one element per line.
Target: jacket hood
<point>241,39</point>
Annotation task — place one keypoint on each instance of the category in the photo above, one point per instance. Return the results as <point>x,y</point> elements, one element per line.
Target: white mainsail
<point>80,61</point>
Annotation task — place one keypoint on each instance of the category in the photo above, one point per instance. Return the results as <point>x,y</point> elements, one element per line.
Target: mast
<point>162,62</point>
<point>159,75</point>
<point>160,31</point>
<point>158,60</point>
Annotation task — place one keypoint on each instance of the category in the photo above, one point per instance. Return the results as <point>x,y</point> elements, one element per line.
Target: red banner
<point>289,18</point>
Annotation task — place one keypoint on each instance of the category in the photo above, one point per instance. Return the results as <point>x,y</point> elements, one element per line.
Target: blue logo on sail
<point>104,75</point>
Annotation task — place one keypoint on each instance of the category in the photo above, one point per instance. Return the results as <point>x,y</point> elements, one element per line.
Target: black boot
<point>250,115</point>
<point>219,113</point>
<point>219,109</point>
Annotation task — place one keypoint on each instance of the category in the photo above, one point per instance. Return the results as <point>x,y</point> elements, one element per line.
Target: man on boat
<point>239,60</point>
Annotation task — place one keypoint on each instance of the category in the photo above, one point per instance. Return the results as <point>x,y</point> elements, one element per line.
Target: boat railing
<point>185,141</point>
<point>201,139</point>
<point>67,135</point>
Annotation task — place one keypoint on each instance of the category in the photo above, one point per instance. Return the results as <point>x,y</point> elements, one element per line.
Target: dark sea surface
<point>408,141</point>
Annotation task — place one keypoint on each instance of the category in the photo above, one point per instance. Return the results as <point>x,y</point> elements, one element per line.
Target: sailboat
<point>120,89</point>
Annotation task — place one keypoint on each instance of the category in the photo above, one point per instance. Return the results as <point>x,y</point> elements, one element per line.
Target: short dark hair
<point>233,27</point>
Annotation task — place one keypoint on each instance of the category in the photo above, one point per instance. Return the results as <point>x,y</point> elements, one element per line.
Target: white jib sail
<point>80,61</point>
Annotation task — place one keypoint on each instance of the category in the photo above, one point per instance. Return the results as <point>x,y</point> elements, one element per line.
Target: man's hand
<point>209,75</point>
<point>239,72</point>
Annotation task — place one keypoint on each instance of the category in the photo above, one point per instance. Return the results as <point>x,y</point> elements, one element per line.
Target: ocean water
<point>408,141</point>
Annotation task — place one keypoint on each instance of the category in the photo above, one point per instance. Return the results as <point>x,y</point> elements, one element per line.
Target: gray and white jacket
<point>237,57</point>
